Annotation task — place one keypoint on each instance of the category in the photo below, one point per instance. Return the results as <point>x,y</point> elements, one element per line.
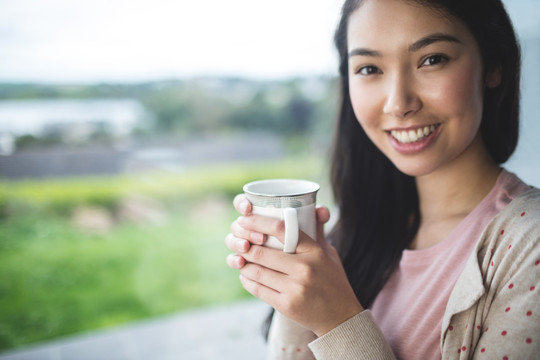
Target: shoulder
<point>513,236</point>
<point>520,217</point>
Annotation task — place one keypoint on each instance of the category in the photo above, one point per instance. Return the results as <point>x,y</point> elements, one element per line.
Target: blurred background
<point>127,127</point>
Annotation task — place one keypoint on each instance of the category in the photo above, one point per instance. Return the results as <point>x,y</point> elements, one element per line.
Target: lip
<point>413,147</point>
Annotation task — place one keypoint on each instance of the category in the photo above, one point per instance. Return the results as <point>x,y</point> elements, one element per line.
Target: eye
<point>368,70</point>
<point>434,60</point>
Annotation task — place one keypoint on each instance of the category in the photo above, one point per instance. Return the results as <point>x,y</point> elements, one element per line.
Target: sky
<point>74,41</point>
<point>132,40</point>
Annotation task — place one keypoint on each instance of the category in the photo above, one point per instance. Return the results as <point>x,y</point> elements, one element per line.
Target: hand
<point>310,286</point>
<point>241,244</point>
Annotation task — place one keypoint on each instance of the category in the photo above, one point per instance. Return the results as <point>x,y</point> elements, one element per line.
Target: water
<point>20,117</point>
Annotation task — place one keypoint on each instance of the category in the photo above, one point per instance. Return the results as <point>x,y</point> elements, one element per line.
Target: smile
<point>413,135</point>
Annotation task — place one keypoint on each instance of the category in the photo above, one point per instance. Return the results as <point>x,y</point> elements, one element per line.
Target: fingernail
<point>243,207</point>
<point>242,246</point>
<point>234,261</point>
<point>257,238</point>
<point>230,260</point>
<point>237,262</point>
<point>241,220</point>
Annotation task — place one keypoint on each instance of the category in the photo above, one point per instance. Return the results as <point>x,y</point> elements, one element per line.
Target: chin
<point>415,169</point>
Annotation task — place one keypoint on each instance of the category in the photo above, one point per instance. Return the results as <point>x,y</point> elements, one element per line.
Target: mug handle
<point>290,218</point>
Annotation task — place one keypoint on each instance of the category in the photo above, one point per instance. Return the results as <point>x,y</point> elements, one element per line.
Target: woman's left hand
<point>309,286</point>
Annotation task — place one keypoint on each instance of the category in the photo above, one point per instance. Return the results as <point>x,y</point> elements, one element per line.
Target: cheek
<point>460,95</point>
<point>364,105</point>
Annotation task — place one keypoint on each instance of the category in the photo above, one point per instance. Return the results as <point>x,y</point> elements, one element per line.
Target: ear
<point>493,78</point>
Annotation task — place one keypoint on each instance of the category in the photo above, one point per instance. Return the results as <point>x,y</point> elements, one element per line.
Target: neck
<point>454,190</point>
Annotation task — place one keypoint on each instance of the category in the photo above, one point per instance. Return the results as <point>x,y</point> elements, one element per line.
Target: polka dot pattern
<point>512,305</point>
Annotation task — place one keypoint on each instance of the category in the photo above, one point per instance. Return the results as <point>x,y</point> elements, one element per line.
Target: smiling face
<point>416,84</point>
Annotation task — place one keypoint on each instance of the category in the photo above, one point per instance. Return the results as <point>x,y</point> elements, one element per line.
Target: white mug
<point>290,200</point>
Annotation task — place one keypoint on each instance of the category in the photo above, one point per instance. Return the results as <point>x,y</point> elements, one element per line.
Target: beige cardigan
<point>493,311</point>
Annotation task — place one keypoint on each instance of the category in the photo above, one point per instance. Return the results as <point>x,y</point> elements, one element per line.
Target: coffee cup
<point>290,200</point>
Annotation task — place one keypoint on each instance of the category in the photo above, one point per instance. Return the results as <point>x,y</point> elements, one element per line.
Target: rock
<point>141,209</point>
<point>93,219</point>
<point>212,206</point>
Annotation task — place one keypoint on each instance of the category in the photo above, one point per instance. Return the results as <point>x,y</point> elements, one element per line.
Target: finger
<point>252,236</point>
<point>263,225</point>
<point>264,276</point>
<point>305,243</point>
<point>270,296</point>
<point>323,215</point>
<point>237,245</point>
<point>242,204</point>
<point>273,259</point>
<point>235,261</point>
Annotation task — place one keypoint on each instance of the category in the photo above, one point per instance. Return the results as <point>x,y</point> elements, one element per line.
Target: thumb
<point>323,215</point>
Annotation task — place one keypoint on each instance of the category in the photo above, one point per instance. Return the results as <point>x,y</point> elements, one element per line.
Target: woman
<point>439,253</point>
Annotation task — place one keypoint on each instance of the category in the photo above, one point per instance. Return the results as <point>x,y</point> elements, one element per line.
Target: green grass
<point>57,279</point>
<point>62,195</point>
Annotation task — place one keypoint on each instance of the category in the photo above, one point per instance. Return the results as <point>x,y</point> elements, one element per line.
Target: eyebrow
<point>430,39</point>
<point>364,52</point>
<point>417,45</point>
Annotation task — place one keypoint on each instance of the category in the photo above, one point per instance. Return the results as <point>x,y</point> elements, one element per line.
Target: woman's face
<point>416,85</point>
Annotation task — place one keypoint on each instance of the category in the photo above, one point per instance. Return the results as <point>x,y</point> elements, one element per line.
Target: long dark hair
<point>378,205</point>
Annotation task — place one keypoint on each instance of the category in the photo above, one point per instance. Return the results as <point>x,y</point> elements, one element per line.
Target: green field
<point>60,276</point>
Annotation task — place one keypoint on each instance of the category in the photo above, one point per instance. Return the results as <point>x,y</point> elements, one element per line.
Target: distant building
<point>7,143</point>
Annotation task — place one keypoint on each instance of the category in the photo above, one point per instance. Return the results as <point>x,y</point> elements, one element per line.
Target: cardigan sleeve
<point>287,340</point>
<point>356,339</point>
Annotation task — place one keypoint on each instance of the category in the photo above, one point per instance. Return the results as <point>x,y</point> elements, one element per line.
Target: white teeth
<point>409,136</point>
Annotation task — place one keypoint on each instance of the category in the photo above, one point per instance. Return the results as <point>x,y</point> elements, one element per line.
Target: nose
<point>402,99</point>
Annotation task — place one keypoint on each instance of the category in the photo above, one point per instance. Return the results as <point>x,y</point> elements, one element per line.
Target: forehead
<point>397,21</point>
